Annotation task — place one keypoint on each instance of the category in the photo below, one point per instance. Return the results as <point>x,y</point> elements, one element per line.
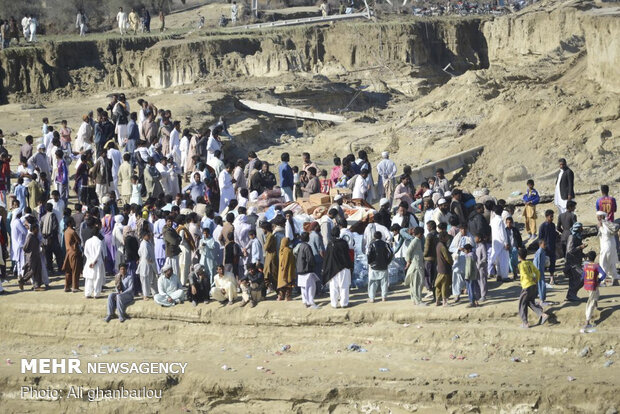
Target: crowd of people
<point>166,214</point>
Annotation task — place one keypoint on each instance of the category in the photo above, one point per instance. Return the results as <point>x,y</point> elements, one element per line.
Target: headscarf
<point>576,229</point>
<point>118,219</point>
<point>286,271</point>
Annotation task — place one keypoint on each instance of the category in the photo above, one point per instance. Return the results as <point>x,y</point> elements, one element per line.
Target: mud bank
<point>153,62</point>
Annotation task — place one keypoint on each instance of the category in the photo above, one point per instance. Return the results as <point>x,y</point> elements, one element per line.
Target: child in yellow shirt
<point>529,283</point>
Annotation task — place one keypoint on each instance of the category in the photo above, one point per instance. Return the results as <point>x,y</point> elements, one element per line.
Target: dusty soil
<point>318,373</point>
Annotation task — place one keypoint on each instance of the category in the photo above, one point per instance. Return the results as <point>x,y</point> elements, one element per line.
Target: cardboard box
<point>308,206</point>
<point>319,198</point>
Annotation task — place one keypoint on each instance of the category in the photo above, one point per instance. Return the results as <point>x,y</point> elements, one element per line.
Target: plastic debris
<point>608,363</point>
<point>530,352</point>
<point>353,347</point>
<point>260,368</point>
<point>473,375</point>
<point>226,368</point>
<point>248,356</point>
<point>584,352</point>
<point>79,345</point>
<point>515,359</point>
<point>455,337</point>
<point>132,349</point>
<point>405,325</point>
<point>74,352</point>
<point>118,349</point>
<point>384,370</point>
<point>571,378</point>
<point>419,326</point>
<point>425,358</point>
<point>459,357</point>
<point>587,330</point>
<point>9,362</point>
<point>285,348</point>
<point>609,353</point>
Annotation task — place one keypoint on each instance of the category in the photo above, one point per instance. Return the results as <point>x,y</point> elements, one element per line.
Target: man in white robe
<point>115,155</point>
<point>122,20</point>
<point>94,268</point>
<point>84,134</point>
<point>462,238</point>
<point>170,290</point>
<point>361,187</point>
<point>227,192</point>
<point>216,163</point>
<point>608,257</point>
<point>18,238</point>
<point>174,150</point>
<point>386,170</point>
<point>147,268</point>
<point>213,144</point>
<point>500,245</point>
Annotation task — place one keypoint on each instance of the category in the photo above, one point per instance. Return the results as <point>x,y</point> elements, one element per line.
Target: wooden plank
<point>449,164</point>
<point>290,112</point>
<point>297,22</point>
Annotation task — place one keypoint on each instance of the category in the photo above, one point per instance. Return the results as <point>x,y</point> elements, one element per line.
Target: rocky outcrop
<point>154,63</point>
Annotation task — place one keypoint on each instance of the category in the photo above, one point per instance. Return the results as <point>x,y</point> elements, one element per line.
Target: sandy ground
<point>429,354</point>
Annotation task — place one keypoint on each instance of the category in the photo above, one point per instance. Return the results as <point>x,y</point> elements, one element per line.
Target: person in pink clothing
<point>336,172</point>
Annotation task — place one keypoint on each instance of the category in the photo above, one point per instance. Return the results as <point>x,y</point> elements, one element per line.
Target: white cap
<point>41,146</point>
<point>447,194</point>
<point>166,267</point>
<point>338,197</point>
<point>384,201</point>
<point>385,154</point>
<point>442,201</point>
<point>427,193</point>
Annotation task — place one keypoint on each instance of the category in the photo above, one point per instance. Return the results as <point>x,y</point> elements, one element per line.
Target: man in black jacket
<point>379,257</point>
<point>564,186</point>
<point>305,264</point>
<point>337,268</point>
<point>478,224</point>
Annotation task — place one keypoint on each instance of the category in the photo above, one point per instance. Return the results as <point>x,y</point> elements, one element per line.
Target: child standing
<point>592,276</point>
<point>529,279</point>
<point>482,265</point>
<point>325,182</point>
<point>531,198</point>
<point>471,276</point>
<point>539,262</point>
<point>548,233</point>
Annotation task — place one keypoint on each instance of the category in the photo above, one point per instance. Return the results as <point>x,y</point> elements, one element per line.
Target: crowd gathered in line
<point>163,210</point>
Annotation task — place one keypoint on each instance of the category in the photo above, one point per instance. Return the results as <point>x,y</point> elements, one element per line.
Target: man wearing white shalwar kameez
<point>170,290</point>
<point>213,144</point>
<point>122,20</point>
<point>147,268</point>
<point>227,192</point>
<point>500,258</point>
<point>462,238</point>
<point>119,241</point>
<point>18,238</point>
<point>386,170</point>
<point>608,257</point>
<point>115,155</point>
<point>337,268</point>
<point>94,268</point>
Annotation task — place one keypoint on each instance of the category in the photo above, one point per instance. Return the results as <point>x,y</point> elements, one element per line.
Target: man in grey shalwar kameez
<point>123,297</point>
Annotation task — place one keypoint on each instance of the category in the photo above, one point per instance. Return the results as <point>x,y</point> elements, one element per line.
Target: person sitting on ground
<point>123,297</point>
<point>225,287</point>
<point>251,284</point>
<point>199,286</point>
<point>169,287</point>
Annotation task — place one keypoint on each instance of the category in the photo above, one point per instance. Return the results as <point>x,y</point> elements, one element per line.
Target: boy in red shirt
<point>592,277</point>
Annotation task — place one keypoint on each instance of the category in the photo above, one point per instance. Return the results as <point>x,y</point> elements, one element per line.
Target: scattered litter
<point>131,349</point>
<point>419,326</point>
<point>285,348</point>
<point>9,362</point>
<point>74,352</point>
<point>104,350</point>
<point>515,359</point>
<point>388,355</point>
<point>609,353</point>
<point>608,363</point>
<point>585,352</point>
<point>248,356</point>
<point>222,350</point>
<point>455,337</point>
<point>405,325</point>
<point>95,355</point>
<point>587,330</point>
<point>79,345</point>
<point>473,375</point>
<point>515,193</point>
<point>425,358</point>
<point>460,357</point>
<point>554,351</point>
<point>278,353</point>
<point>384,370</point>
<point>118,349</point>
<point>570,379</point>
<point>356,348</point>
<point>260,368</point>
<point>530,352</point>
<point>226,368</point>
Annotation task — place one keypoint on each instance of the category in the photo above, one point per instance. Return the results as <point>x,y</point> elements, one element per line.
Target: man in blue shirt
<point>286,177</point>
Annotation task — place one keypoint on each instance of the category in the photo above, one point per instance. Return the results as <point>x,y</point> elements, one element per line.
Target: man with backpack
<point>379,257</point>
